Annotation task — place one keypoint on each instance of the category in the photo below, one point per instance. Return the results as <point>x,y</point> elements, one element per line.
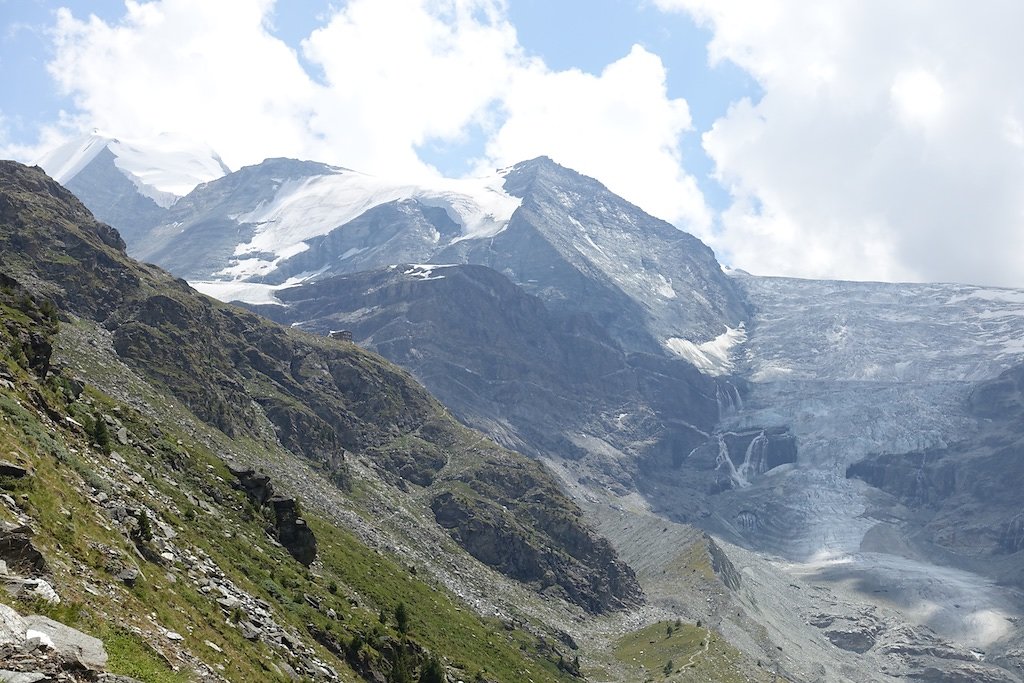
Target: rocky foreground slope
<point>137,416</point>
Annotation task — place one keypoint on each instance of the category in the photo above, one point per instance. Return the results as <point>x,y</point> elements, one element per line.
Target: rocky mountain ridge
<point>538,379</point>
<point>286,221</point>
<point>357,423</point>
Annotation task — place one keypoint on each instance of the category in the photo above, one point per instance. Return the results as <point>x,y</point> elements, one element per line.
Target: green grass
<point>129,655</point>
<point>696,654</point>
<point>69,526</point>
<point>436,619</point>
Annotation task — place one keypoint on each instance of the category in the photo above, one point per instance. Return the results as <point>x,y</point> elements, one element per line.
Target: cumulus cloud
<point>887,144</point>
<point>209,70</point>
<point>373,84</point>
<point>620,127</point>
<point>402,72</point>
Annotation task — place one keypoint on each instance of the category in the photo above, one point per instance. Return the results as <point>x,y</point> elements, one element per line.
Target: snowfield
<point>713,357</point>
<point>163,169</point>
<point>310,207</point>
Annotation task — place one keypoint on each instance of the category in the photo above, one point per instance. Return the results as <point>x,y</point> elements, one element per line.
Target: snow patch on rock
<point>246,292</point>
<point>424,271</point>
<point>712,357</point>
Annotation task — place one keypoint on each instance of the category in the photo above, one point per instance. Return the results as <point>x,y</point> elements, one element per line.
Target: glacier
<point>855,369</point>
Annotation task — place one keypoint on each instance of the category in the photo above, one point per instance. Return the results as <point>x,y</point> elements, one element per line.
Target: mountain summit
<point>131,183</point>
<point>558,234</point>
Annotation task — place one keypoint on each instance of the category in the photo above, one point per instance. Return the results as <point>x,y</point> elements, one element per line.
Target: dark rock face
<point>511,517</point>
<point>917,478</point>
<point>114,199</point>
<point>496,541</point>
<point>1001,399</point>
<point>9,469</point>
<point>255,484</point>
<point>505,363</point>
<point>33,328</point>
<point>54,247</point>
<point>292,531</point>
<point>722,565</point>
<point>17,550</point>
<point>557,244</point>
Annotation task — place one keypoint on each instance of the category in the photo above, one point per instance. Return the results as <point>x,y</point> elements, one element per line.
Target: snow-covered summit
<point>163,169</point>
<point>304,208</point>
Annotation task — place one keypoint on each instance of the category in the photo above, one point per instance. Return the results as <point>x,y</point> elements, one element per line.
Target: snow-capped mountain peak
<point>309,206</point>
<point>164,168</point>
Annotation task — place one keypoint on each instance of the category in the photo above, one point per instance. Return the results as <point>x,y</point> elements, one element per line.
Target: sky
<point>869,140</point>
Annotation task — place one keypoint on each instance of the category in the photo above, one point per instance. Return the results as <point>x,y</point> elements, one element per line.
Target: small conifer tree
<point>402,618</point>
<point>100,434</point>
<point>432,671</point>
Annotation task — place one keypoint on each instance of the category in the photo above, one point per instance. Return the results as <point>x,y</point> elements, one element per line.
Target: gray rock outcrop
<point>290,529</point>
<point>73,645</point>
<point>37,648</point>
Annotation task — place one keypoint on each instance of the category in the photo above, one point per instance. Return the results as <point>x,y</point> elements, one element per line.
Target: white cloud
<point>402,72</point>
<point>620,127</point>
<point>919,97</point>
<point>208,70</point>
<point>887,144</point>
<point>375,82</point>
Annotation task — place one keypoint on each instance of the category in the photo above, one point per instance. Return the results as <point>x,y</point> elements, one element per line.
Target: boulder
<point>12,627</point>
<point>17,550</point>
<point>129,576</point>
<point>73,645</point>
<point>31,588</point>
<point>9,469</point>
<point>255,484</point>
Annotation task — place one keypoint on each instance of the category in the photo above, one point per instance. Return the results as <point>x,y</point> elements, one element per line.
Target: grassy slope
<point>694,653</point>
<point>187,488</point>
